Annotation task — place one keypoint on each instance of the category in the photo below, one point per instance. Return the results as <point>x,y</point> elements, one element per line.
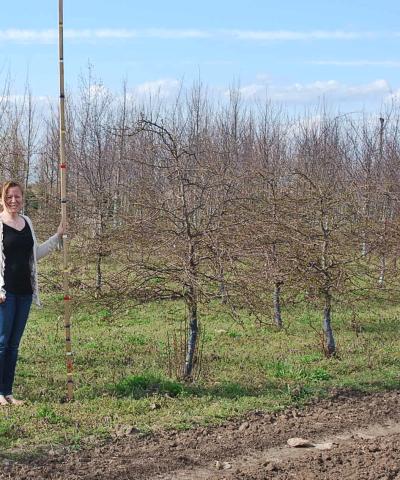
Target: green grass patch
<point>122,363</point>
<point>138,386</point>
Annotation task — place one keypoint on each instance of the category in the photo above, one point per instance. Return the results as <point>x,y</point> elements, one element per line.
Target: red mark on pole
<point>63,165</point>
<point>67,297</point>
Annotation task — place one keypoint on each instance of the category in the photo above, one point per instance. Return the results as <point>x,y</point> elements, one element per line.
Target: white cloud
<point>21,99</point>
<point>264,77</point>
<point>357,63</point>
<point>289,35</point>
<point>162,88</point>
<point>296,93</point>
<point>28,36</point>
<point>376,87</point>
<point>133,33</point>
<point>308,92</point>
<point>98,90</point>
<point>51,35</point>
<point>168,33</point>
<point>252,91</point>
<point>393,97</point>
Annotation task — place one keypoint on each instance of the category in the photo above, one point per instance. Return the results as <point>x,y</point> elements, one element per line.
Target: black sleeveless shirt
<point>17,245</point>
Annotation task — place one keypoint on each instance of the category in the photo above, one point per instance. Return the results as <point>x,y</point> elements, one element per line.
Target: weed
<point>137,386</point>
<point>137,339</point>
<point>285,370</point>
<point>233,334</point>
<point>48,414</point>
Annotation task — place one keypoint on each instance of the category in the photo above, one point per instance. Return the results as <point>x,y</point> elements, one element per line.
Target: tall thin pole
<point>63,178</point>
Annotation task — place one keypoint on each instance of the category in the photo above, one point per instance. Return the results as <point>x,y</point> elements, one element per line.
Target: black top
<point>17,245</point>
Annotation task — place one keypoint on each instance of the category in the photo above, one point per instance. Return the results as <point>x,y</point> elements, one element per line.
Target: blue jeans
<point>13,316</point>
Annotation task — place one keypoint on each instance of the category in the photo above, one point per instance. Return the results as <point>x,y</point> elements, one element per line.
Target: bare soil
<point>354,436</point>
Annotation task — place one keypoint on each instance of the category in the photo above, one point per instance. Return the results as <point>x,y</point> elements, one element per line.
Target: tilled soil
<point>354,437</point>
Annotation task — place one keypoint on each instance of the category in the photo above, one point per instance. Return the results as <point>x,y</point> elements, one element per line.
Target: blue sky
<point>345,52</point>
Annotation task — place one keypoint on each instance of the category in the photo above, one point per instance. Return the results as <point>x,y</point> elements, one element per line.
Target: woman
<point>19,252</point>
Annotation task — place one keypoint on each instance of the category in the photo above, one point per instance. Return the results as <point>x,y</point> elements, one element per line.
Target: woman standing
<point>19,252</point>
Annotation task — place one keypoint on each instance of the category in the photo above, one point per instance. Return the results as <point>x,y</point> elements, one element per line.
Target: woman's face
<point>13,200</point>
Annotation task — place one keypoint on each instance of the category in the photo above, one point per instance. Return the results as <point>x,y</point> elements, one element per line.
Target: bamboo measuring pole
<point>63,178</point>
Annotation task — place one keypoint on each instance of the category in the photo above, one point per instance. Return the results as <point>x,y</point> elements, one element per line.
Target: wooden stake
<point>63,178</point>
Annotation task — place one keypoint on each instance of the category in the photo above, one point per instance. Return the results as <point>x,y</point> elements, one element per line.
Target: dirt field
<point>353,437</point>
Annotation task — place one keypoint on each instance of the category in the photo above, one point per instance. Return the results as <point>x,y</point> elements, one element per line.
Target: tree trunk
<point>277,304</point>
<point>193,325</point>
<point>329,338</point>
<point>222,287</point>
<point>100,251</point>
<point>381,281</point>
<point>330,348</point>
<point>98,274</point>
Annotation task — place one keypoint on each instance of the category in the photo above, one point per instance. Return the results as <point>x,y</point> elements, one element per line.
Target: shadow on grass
<point>142,386</point>
<point>384,325</point>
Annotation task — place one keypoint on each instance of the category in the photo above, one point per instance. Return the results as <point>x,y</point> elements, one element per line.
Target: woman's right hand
<point>61,229</point>
<point>2,298</point>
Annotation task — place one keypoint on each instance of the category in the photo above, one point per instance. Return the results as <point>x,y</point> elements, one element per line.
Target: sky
<point>299,53</point>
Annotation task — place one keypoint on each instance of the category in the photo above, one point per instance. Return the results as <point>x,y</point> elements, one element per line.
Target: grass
<point>121,369</point>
